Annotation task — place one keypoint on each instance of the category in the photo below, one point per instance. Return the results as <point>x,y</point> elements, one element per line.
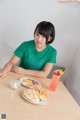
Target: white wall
<point>73,80</point>
<point>18,19</point>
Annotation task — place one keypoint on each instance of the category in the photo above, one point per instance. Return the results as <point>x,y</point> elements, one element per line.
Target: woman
<point>35,57</point>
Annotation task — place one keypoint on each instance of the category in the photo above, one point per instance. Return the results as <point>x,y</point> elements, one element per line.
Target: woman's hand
<point>18,70</point>
<point>2,74</point>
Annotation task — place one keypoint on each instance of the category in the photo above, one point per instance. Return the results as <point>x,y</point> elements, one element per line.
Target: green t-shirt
<point>33,59</point>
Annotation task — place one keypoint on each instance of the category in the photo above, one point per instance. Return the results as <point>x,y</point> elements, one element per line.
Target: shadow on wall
<point>56,67</point>
<point>6,53</point>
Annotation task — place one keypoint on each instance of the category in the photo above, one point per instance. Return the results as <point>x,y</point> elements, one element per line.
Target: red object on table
<point>54,82</point>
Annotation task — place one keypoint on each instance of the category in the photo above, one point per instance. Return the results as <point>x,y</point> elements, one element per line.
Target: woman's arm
<point>44,73</point>
<point>13,61</point>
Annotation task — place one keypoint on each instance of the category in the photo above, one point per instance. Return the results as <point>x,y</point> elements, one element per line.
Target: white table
<point>61,105</point>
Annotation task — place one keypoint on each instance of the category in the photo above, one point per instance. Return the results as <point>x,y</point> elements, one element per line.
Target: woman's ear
<point>49,39</point>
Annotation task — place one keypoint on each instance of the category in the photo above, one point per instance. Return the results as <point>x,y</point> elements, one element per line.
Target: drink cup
<point>14,84</point>
<point>54,82</point>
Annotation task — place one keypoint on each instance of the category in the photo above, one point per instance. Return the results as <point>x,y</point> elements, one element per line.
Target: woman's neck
<point>40,48</point>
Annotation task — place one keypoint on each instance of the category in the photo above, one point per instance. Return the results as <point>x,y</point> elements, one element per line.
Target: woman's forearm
<point>36,73</point>
<point>43,73</point>
<point>20,70</point>
<point>7,67</point>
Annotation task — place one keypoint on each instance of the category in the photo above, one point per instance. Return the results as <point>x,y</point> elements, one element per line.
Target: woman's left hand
<point>18,70</point>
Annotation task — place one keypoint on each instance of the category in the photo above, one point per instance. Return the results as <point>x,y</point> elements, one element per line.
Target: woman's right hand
<point>2,74</point>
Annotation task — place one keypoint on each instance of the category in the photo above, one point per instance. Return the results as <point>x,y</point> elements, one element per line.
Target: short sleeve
<point>20,50</point>
<point>52,56</point>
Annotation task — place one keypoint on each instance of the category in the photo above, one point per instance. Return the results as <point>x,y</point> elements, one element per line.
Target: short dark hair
<point>47,29</point>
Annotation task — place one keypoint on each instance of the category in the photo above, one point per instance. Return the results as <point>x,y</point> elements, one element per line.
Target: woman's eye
<point>37,34</point>
<point>43,36</point>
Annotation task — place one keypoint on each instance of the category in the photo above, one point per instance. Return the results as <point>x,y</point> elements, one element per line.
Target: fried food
<point>35,94</point>
<point>41,93</point>
<point>28,81</point>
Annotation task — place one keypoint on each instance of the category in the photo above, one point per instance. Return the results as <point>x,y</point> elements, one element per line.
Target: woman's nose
<point>39,38</point>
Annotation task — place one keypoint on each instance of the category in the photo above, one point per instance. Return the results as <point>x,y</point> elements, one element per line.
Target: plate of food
<point>35,96</point>
<point>29,82</point>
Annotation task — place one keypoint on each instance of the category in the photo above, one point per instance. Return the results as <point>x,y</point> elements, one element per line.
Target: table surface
<point>61,105</point>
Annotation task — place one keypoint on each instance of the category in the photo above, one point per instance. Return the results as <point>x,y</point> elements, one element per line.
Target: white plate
<point>35,82</point>
<point>37,103</point>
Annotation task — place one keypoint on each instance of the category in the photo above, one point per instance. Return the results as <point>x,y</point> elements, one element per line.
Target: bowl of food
<point>29,82</point>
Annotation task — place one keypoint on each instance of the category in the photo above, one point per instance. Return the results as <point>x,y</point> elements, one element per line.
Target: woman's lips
<point>38,42</point>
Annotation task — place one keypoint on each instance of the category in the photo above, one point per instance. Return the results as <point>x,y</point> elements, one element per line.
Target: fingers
<point>15,69</point>
<point>2,75</point>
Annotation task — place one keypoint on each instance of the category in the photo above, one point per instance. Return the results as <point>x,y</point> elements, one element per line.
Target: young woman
<point>35,57</point>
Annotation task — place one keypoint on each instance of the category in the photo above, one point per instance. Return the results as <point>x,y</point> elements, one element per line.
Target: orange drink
<point>55,78</point>
<point>54,82</point>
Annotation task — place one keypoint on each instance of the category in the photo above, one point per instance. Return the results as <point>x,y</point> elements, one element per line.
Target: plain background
<point>18,19</point>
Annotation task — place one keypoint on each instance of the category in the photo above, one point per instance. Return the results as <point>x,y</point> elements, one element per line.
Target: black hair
<point>47,29</point>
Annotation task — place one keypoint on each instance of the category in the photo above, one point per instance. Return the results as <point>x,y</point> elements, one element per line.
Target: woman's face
<point>40,40</point>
